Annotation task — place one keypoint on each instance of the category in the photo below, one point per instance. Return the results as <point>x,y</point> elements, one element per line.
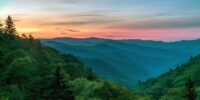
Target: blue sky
<point>129,6</point>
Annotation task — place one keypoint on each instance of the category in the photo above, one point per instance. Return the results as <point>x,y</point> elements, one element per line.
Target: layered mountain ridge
<point>127,61</point>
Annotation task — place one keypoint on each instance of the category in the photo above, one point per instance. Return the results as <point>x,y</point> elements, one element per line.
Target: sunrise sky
<point>166,20</point>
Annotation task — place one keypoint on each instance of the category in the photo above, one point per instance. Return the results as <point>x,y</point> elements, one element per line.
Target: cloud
<point>64,33</point>
<point>71,30</point>
<point>85,15</point>
<point>16,20</point>
<point>176,22</point>
<point>111,36</point>
<point>81,22</point>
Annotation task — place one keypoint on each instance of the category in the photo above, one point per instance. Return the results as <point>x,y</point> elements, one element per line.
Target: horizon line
<point>170,41</point>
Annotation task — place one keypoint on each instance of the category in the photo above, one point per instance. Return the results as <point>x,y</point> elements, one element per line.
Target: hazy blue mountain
<point>127,61</point>
<point>189,46</point>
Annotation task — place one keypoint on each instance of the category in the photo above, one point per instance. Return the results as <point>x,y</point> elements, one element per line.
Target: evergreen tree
<point>31,38</point>
<point>10,26</point>
<point>90,75</point>
<point>52,85</point>
<point>41,86</point>
<point>24,36</point>
<point>60,86</point>
<point>190,90</point>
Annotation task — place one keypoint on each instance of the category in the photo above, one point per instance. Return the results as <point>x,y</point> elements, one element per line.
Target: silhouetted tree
<point>10,26</point>
<point>189,93</point>
<point>1,27</point>
<point>24,36</point>
<point>31,38</point>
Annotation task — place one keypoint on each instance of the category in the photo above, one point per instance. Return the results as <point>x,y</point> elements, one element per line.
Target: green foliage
<point>20,70</point>
<point>103,90</point>
<point>60,85</point>
<point>108,91</point>
<point>189,91</point>
<point>173,94</point>
<point>83,88</point>
<point>3,94</point>
<point>12,55</point>
<point>15,93</point>
<point>72,59</point>
<point>162,86</point>
<point>76,70</point>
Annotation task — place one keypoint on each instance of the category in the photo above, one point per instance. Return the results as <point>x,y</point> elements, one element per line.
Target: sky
<point>166,20</point>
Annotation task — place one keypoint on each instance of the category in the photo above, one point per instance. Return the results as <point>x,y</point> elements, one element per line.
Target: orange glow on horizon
<point>48,27</point>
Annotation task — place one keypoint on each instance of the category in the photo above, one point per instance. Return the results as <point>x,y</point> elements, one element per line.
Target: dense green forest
<point>180,83</point>
<point>31,71</point>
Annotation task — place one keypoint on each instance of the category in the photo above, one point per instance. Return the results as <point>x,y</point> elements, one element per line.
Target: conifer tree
<point>30,38</point>
<point>90,75</point>
<point>60,86</point>
<point>53,85</point>
<point>189,93</point>
<point>24,36</point>
<point>10,26</point>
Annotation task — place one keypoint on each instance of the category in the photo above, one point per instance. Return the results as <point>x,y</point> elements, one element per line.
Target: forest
<point>32,71</point>
<point>182,83</point>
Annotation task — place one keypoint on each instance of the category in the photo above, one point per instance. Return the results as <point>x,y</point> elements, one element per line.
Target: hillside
<point>31,71</point>
<point>132,60</point>
<point>170,85</point>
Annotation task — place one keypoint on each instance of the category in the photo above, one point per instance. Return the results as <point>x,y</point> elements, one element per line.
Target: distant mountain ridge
<point>127,61</point>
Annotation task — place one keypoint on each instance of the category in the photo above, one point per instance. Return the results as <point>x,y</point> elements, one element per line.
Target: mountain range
<point>127,61</point>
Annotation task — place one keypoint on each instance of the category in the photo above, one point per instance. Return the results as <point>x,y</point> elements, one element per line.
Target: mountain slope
<point>173,82</point>
<point>134,59</point>
<point>94,53</point>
